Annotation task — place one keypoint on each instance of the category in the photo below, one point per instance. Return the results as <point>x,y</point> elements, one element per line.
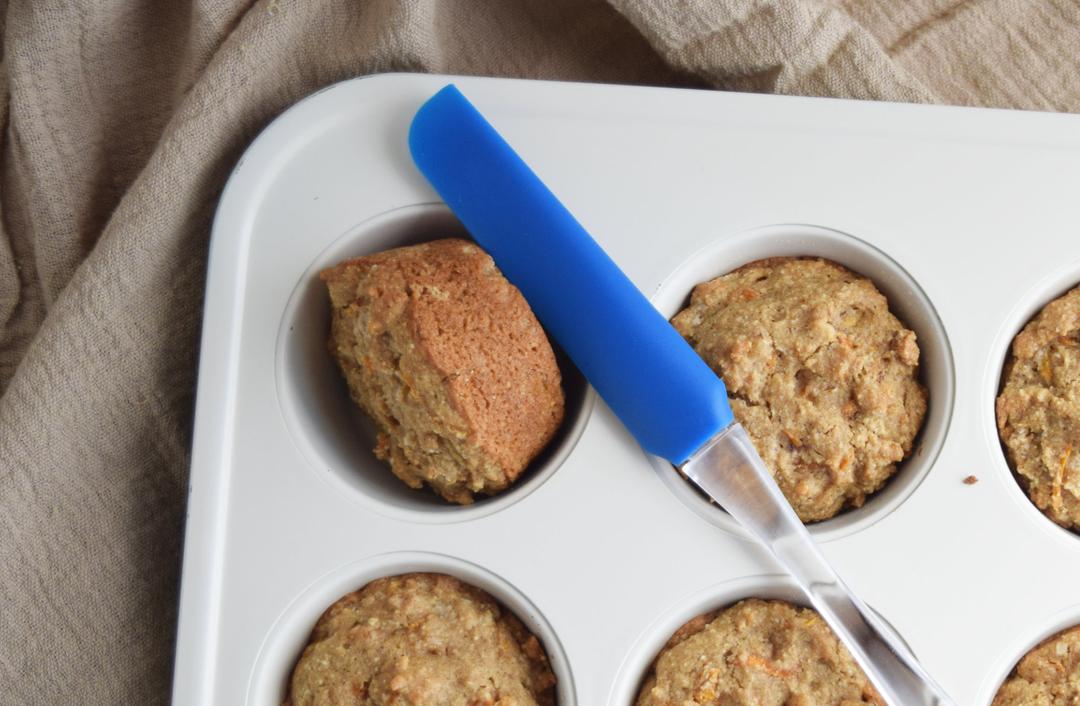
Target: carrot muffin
<point>1049,674</point>
<point>820,373</point>
<point>756,653</point>
<point>1038,410</point>
<point>421,640</point>
<point>449,361</point>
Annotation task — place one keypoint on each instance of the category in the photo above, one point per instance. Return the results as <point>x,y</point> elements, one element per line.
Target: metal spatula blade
<point>651,378</point>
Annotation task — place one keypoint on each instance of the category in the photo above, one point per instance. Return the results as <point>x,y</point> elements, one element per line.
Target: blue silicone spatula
<point>668,398</point>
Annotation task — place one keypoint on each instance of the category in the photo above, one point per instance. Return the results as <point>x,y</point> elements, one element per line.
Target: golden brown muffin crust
<point>448,359</point>
<point>820,373</point>
<point>1038,410</point>
<point>1048,675</point>
<point>421,640</point>
<point>756,653</point>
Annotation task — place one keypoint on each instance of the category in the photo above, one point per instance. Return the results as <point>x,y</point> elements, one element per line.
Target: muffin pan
<point>965,219</point>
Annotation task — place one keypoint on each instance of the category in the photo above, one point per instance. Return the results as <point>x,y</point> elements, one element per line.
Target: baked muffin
<point>449,361</point>
<point>1038,410</point>
<point>421,640</point>
<point>756,653</point>
<point>1049,674</point>
<point>820,373</point>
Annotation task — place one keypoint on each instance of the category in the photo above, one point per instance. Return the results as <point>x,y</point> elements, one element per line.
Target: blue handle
<point>651,378</point>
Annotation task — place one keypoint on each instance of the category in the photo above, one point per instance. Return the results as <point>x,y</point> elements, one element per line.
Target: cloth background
<point>121,120</point>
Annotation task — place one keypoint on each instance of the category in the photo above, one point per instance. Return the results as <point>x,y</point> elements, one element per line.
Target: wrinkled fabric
<point>121,119</point>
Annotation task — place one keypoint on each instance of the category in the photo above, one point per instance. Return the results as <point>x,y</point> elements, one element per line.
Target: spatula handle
<point>650,377</point>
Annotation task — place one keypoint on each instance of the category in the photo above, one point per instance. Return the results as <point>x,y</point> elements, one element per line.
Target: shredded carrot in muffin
<point>1059,480</point>
<point>767,666</point>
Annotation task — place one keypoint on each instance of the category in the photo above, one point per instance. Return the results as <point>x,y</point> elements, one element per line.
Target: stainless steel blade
<point>731,472</point>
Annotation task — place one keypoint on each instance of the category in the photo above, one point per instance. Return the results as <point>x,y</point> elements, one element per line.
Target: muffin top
<point>1049,674</point>
<point>819,372</point>
<point>447,358</point>
<point>756,653</point>
<point>421,640</point>
<point>1038,410</point>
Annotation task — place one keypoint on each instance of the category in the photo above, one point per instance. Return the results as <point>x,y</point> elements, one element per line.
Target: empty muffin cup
<point>332,432</point>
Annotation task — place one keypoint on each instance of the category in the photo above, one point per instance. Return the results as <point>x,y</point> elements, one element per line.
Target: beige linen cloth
<point>121,121</point>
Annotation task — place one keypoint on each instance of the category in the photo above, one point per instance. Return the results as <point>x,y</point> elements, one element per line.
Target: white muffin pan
<point>966,219</point>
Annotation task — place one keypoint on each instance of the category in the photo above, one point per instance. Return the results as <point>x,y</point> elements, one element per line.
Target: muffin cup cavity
<point>635,668</point>
<point>1030,305</point>
<point>906,300</point>
<point>331,431</point>
<point>290,632</point>
<point>1003,668</point>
